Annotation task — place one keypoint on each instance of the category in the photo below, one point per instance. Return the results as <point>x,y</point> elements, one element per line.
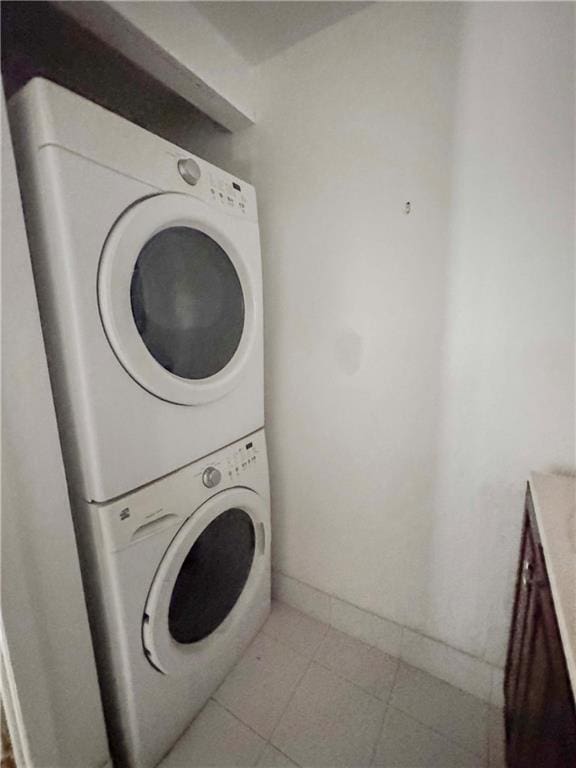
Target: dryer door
<point>176,299</point>
<point>210,573</point>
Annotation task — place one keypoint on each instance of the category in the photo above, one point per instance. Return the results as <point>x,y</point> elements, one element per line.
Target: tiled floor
<point>307,695</point>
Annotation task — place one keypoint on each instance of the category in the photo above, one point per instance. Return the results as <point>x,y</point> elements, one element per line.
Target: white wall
<point>418,366</point>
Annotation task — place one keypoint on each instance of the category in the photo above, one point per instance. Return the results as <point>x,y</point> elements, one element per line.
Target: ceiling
<point>260,30</point>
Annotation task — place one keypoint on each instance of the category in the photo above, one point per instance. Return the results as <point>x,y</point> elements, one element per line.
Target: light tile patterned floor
<point>305,694</point>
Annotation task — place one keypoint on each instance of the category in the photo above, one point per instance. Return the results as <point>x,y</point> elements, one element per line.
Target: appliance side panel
<point>47,650</point>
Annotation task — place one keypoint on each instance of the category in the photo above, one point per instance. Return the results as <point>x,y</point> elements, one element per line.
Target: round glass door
<point>176,297</point>
<point>187,302</point>
<point>214,572</point>
<point>212,577</point>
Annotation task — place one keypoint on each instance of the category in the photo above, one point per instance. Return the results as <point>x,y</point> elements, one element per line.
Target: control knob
<point>189,170</point>
<point>211,477</point>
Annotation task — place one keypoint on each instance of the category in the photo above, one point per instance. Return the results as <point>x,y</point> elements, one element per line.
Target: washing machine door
<point>176,298</point>
<point>210,573</point>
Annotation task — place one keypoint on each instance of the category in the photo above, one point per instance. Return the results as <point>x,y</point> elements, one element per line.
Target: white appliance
<point>148,273</point>
<point>178,583</point>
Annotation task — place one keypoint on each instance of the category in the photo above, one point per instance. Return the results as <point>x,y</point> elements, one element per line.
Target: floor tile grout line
<point>386,702</point>
<point>263,739</point>
<point>352,682</point>
<point>323,624</point>
<point>284,753</point>
<point>267,740</point>
<point>402,627</point>
<point>316,660</point>
<point>386,710</point>
<point>403,630</point>
<point>305,615</point>
<point>439,733</point>
<point>346,680</point>
<point>237,717</point>
<point>310,661</point>
<point>380,733</point>
<point>376,699</point>
<point>435,730</point>
<point>488,726</point>
<point>409,664</point>
<point>492,761</point>
<point>392,655</point>
<point>286,644</point>
<point>361,641</point>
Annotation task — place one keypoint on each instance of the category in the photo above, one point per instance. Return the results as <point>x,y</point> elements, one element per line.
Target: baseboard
<point>466,672</point>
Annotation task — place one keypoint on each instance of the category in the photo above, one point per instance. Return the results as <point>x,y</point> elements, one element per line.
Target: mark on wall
<point>349,351</point>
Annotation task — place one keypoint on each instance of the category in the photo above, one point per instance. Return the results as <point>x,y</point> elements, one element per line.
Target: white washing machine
<point>178,583</point>
<point>148,273</point>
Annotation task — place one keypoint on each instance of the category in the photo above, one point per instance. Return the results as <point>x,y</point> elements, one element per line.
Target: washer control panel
<point>166,503</point>
<point>229,465</point>
<point>240,459</point>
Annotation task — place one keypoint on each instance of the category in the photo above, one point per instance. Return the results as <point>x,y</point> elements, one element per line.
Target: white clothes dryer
<point>148,273</point>
<point>178,583</point>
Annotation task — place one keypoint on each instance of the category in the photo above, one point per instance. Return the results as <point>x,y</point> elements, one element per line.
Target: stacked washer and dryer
<point>148,274</point>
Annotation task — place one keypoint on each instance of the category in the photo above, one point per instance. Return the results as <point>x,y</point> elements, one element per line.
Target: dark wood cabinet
<point>539,713</point>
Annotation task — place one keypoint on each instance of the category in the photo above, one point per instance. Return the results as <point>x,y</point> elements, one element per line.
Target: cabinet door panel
<point>515,660</point>
<point>535,736</point>
<point>560,713</point>
<point>540,716</point>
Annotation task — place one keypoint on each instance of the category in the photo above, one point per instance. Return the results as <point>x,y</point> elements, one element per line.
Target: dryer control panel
<point>227,193</point>
<point>134,151</point>
<point>195,176</point>
<point>223,190</point>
